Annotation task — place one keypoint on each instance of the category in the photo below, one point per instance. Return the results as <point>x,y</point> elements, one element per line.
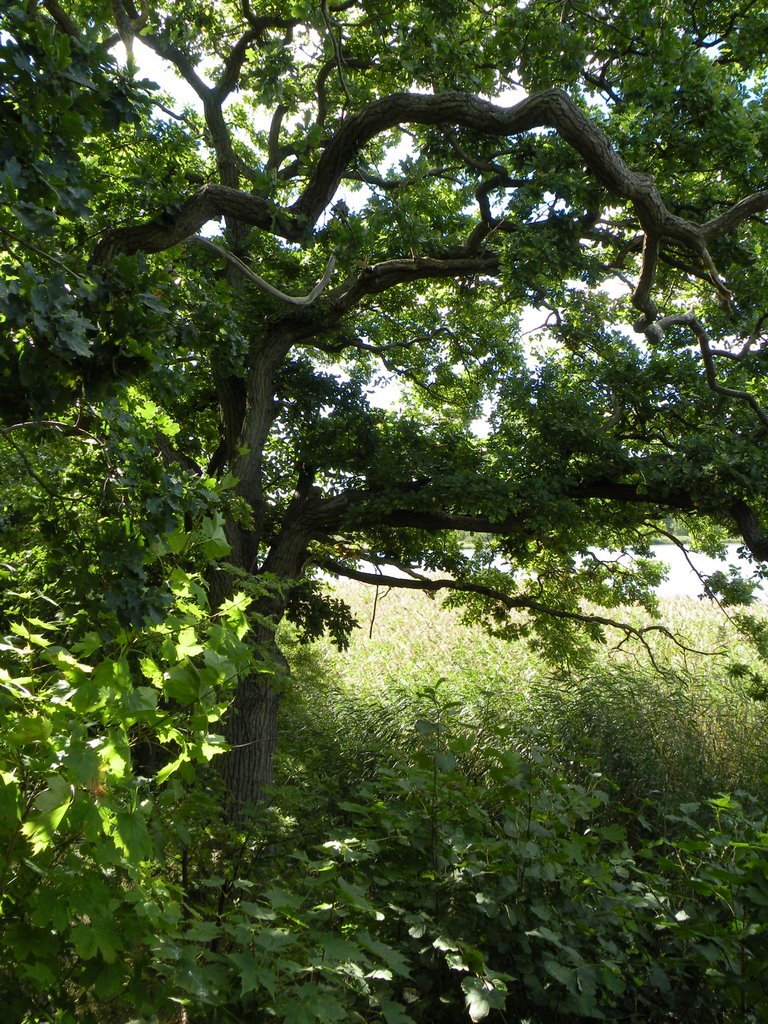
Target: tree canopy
<point>539,228</point>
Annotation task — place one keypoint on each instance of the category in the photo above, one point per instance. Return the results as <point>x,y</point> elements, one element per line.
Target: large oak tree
<point>544,222</point>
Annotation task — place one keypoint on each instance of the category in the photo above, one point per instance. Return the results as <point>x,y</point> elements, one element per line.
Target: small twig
<point>71,428</point>
<point>336,51</point>
<point>686,555</point>
<point>294,300</point>
<point>751,340</point>
<point>41,252</point>
<point>30,468</point>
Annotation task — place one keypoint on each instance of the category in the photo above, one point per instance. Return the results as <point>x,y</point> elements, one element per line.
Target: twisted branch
<point>522,603</point>
<point>549,109</point>
<point>655,332</point>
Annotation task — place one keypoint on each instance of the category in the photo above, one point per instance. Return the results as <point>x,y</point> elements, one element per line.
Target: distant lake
<point>682,581</point>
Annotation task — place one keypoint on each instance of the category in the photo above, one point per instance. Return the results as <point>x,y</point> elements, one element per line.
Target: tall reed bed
<point>676,722</point>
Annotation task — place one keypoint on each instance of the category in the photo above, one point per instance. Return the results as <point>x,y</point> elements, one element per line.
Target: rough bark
<point>551,108</point>
<point>251,730</point>
<point>252,722</point>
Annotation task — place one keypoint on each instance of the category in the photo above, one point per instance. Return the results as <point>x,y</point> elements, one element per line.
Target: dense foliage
<point>352,283</point>
<point>609,192</point>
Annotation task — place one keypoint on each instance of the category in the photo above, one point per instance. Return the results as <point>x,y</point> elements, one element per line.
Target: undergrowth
<point>458,833</point>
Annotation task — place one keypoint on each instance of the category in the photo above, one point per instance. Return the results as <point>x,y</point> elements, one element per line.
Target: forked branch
<point>656,330</point>
<point>552,109</point>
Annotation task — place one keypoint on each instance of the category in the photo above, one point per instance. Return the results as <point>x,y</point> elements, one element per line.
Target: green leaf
<point>96,938</point>
<point>131,836</point>
<point>173,766</point>
<point>215,544</point>
<point>253,975</point>
<point>10,802</point>
<point>481,997</point>
<point>187,645</point>
<point>560,972</point>
<point>183,683</point>
<point>394,1013</point>
<point>139,700</point>
<point>50,807</point>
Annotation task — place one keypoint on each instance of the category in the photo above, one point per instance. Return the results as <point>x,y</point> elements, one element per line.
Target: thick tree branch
<point>349,511</point>
<point>361,508</point>
<point>234,64</point>
<point>212,100</point>
<point>751,529</point>
<point>642,296</point>
<point>549,109</point>
<point>726,222</point>
<point>509,603</point>
<point>210,203</point>
<point>322,79</point>
<point>275,153</point>
<point>62,19</point>
<point>381,276</point>
<point>186,68</point>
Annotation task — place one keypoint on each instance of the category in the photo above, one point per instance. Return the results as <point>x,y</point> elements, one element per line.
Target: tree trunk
<point>251,723</point>
<point>251,730</point>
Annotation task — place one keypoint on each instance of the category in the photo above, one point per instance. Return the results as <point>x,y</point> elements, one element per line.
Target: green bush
<point>91,850</point>
<point>435,853</point>
<point>477,881</point>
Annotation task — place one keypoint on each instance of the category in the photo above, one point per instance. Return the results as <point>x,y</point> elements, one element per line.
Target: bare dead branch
<point>293,300</point>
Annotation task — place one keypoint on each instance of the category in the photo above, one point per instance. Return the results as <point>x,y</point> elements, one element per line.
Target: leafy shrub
<point>89,846</point>
<point>429,860</point>
<point>474,883</point>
